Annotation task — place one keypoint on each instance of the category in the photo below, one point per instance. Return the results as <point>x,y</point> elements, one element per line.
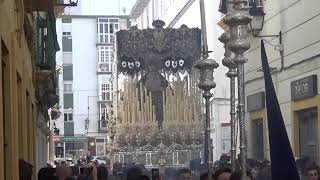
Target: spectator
<point>184,174</point>
<point>222,174</point>
<point>47,174</point>
<point>25,170</point>
<point>144,177</point>
<point>265,173</point>
<point>134,173</point>
<point>312,172</point>
<point>237,176</point>
<point>205,176</point>
<point>102,173</point>
<point>63,172</point>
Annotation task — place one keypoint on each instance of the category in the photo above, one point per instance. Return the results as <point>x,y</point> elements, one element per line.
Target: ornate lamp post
<point>238,21</point>
<point>206,68</point>
<point>232,74</point>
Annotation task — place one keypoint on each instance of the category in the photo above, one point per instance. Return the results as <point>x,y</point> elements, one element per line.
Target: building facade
<point>86,85</point>
<point>176,13</point>
<point>28,85</point>
<point>295,77</point>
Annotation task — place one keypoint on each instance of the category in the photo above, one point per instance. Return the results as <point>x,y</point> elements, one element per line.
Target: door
<point>257,135</point>
<point>308,124</point>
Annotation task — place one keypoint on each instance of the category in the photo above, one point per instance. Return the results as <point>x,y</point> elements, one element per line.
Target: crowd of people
<point>257,170</point>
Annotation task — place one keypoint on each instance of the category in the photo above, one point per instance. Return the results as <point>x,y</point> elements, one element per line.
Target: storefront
<point>97,146</point>
<point>305,102</point>
<point>72,146</point>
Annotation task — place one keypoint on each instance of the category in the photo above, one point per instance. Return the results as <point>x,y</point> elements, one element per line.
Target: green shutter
<point>69,128</point>
<point>67,44</point>
<point>66,19</point>
<point>67,72</point>
<point>68,101</point>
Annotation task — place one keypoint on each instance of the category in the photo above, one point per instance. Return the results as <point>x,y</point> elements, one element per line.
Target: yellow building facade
<point>296,78</point>
<point>17,97</point>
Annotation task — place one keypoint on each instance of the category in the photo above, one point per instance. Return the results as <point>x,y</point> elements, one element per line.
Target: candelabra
<point>232,74</point>
<point>238,21</point>
<point>206,67</point>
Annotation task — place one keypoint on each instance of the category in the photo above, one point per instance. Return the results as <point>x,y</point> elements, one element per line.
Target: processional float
<point>159,120</point>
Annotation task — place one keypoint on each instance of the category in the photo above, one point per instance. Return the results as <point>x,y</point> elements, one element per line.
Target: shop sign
<point>255,102</point>
<point>73,139</point>
<point>304,88</point>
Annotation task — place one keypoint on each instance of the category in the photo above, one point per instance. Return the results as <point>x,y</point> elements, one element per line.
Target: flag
<point>283,165</point>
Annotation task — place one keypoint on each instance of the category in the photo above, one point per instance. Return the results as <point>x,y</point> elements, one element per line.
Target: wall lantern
<point>257,13</point>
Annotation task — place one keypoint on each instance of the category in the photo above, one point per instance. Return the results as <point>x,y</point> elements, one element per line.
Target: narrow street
<point>159,90</point>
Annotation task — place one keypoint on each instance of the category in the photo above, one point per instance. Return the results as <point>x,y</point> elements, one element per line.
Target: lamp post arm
<point>280,47</point>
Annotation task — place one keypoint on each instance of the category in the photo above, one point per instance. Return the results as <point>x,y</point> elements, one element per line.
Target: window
<point>67,43</point>
<point>105,58</point>
<point>103,117</point>
<point>100,149</point>
<point>68,117</point>
<point>148,159</point>
<point>175,158</point>
<point>119,158</point>
<point>103,112</point>
<point>106,92</point>
<point>69,128</point>
<point>67,87</point>
<point>107,28</point>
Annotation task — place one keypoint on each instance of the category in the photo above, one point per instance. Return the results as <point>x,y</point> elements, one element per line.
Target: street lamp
<point>232,74</point>
<point>256,26</point>
<point>238,21</point>
<point>257,13</point>
<point>87,120</point>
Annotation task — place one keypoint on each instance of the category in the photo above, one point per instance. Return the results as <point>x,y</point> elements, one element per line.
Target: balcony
<point>103,126</point>
<point>46,78</point>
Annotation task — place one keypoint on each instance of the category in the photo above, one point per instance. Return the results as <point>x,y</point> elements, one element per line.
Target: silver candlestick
<point>206,83</point>
<point>232,74</point>
<point>238,21</point>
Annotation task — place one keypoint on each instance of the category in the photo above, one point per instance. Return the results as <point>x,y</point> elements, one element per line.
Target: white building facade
<point>86,57</point>
<point>295,77</point>
<point>176,13</point>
